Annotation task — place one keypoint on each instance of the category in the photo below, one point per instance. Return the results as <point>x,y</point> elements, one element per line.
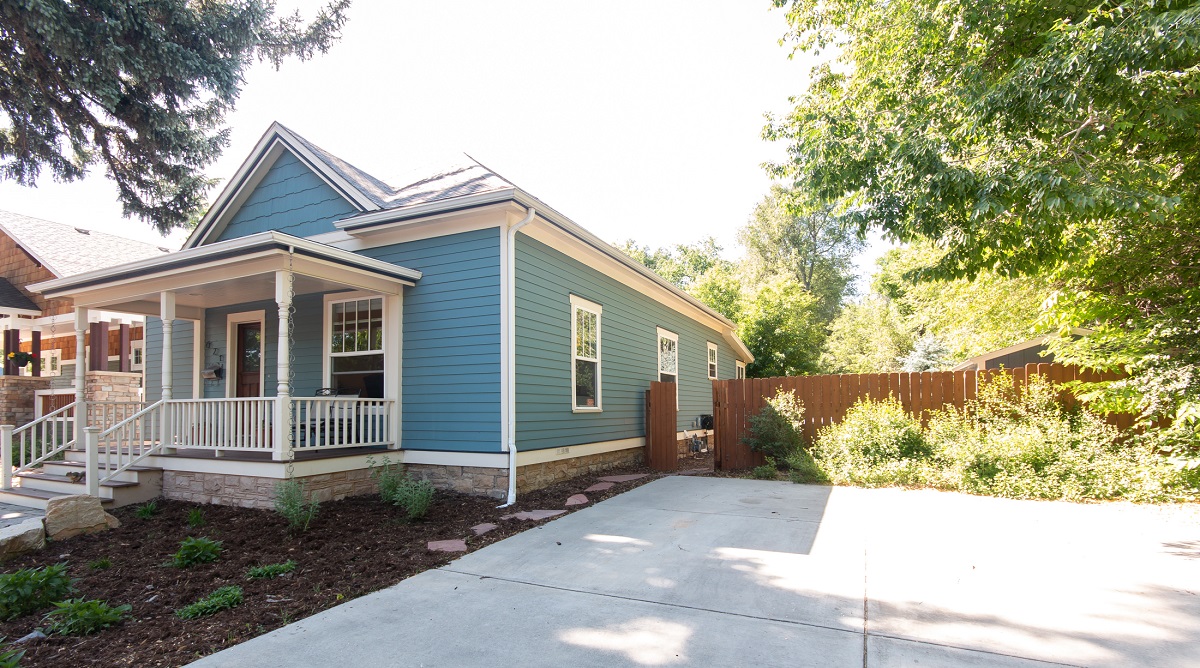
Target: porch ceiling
<point>228,273</point>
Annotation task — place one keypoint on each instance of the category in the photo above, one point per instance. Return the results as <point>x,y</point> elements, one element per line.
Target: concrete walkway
<point>721,572</point>
<point>10,514</point>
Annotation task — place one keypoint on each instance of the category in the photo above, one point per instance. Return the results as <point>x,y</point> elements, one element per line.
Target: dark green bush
<point>194,551</point>
<point>32,589</point>
<point>221,599</point>
<point>777,429</point>
<point>79,617</point>
<point>768,471</point>
<point>270,570</point>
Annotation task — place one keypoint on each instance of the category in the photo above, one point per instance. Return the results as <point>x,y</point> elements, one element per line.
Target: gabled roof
<point>67,250</point>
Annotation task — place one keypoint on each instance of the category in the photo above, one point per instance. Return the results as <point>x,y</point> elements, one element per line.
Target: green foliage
<point>803,469</point>
<point>876,443</point>
<point>290,502</point>
<point>928,354</point>
<point>194,551</point>
<point>147,510</point>
<point>79,617</point>
<point>195,518</point>
<point>10,658</point>
<point>781,326</point>
<point>683,265</point>
<point>141,88</point>
<point>777,429</point>
<point>269,571</point>
<point>32,589</point>
<point>867,337</point>
<point>101,564</point>
<point>397,487</point>
<point>768,471</point>
<point>221,599</point>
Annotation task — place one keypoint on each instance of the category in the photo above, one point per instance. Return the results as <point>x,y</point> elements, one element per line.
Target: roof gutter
<point>508,331</point>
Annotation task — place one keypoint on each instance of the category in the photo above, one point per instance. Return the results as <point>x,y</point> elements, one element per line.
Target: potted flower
<point>21,358</point>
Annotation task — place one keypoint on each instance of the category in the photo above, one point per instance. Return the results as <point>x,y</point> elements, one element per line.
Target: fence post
<point>91,445</point>
<point>6,431</point>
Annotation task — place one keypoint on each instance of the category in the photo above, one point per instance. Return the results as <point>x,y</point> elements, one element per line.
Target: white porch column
<point>283,351</point>
<point>167,313</point>
<point>81,325</point>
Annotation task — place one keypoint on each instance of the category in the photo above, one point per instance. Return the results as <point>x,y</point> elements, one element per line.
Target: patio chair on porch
<point>333,420</point>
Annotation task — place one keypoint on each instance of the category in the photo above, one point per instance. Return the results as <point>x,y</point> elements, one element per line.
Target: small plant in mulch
<point>290,502</point>
<point>398,488</point>
<point>32,589</point>
<point>271,570</point>
<point>221,599</point>
<point>101,564</point>
<point>194,551</point>
<point>80,617</point>
<point>147,510</point>
<point>10,658</point>
<point>195,518</point>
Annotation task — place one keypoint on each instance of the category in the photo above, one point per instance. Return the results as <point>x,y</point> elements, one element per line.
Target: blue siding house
<point>318,317</point>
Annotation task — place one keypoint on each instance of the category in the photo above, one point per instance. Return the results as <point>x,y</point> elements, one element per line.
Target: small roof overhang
<point>13,302</point>
<point>229,272</point>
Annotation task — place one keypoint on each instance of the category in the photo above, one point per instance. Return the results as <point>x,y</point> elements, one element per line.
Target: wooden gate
<point>730,412</point>
<point>661,450</point>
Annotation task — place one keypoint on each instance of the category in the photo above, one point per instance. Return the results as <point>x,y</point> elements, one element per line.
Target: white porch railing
<point>220,424</point>
<point>323,423</point>
<point>26,447</point>
<point>125,444</point>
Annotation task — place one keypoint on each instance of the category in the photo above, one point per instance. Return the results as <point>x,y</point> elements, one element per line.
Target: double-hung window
<point>356,345</point>
<point>712,360</point>
<point>585,354</point>
<point>668,356</point>
<point>739,370</point>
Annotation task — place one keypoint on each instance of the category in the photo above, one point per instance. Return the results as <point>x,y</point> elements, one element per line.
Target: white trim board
<point>231,322</point>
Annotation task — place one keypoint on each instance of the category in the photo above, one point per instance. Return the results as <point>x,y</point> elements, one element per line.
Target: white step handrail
<point>40,435</point>
<point>127,452</point>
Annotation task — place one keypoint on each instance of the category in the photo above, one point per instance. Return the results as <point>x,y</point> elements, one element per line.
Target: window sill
<point>586,409</point>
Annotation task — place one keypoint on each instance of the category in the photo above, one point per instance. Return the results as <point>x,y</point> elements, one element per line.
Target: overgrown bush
<point>291,503</point>
<point>221,599</point>
<point>399,488</point>
<point>776,430</point>
<point>32,589</point>
<point>194,551</point>
<point>268,571</point>
<point>803,469</point>
<point>876,443</point>
<point>79,617</point>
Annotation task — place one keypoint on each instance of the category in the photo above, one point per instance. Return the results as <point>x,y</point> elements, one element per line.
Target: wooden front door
<point>248,353</point>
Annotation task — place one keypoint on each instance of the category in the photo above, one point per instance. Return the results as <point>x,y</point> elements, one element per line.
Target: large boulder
<point>68,516</point>
<point>21,537</point>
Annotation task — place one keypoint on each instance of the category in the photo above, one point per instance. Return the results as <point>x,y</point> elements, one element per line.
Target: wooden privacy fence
<point>827,398</point>
<point>661,418</point>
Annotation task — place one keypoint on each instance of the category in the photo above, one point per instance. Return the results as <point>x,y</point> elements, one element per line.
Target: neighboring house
<point>1033,351</point>
<point>318,318</point>
<point>34,250</point>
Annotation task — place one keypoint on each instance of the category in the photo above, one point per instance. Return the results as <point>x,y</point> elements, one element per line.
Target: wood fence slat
<point>906,391</point>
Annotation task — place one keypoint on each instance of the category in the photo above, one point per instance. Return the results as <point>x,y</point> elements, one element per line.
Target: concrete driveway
<point>721,572</point>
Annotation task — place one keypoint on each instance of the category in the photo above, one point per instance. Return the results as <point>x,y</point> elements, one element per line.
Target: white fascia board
<point>202,254</point>
<point>386,219</point>
<point>273,142</point>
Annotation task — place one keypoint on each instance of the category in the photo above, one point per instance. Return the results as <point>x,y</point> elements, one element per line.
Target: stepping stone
<point>481,529</point>
<point>533,515</point>
<point>600,487</point>
<point>577,500</point>
<point>624,478</point>
<point>456,545</point>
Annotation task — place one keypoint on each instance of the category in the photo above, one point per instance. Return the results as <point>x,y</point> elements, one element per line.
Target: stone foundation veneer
<point>259,492</point>
<point>112,386</point>
<point>493,482</point>
<point>17,400</point>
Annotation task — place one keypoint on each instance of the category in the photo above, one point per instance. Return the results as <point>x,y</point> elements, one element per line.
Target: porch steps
<point>137,484</point>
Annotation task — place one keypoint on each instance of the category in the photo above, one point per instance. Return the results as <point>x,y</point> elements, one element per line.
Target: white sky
<point>635,119</point>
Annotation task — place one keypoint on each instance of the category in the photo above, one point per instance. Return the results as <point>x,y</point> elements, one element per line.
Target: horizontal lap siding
<point>292,199</point>
<point>181,371</point>
<point>451,341</point>
<point>306,345</point>
<point>546,279</point>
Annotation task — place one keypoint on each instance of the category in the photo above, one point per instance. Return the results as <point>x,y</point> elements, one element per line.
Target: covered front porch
<point>257,349</point>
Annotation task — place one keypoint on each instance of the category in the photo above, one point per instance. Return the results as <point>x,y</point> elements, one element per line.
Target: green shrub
<point>877,443</point>
<point>803,469</point>
<point>194,551</point>
<point>221,599</point>
<point>768,471</point>
<point>10,658</point>
<point>399,488</point>
<point>290,502</point>
<point>270,570</point>
<point>147,510</point>
<point>195,518</point>
<point>32,589</point>
<point>79,617</point>
<point>777,430</point>
<point>100,564</point>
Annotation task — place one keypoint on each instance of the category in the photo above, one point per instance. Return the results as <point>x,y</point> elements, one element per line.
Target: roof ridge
<point>357,175</point>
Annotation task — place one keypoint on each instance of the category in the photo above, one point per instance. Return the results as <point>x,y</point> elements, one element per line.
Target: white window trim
<point>593,307</point>
<point>327,332</point>
<point>739,366</point>
<point>668,334</point>
<point>231,322</point>
<point>713,354</point>
<point>137,345</point>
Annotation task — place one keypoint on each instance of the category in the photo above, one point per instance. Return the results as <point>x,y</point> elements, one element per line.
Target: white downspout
<point>509,443</point>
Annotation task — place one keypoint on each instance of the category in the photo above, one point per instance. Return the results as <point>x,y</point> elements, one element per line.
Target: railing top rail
<point>218,399</point>
<point>136,416</point>
<point>47,416</point>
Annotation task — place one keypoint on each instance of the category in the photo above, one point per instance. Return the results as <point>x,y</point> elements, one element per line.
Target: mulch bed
<point>354,547</point>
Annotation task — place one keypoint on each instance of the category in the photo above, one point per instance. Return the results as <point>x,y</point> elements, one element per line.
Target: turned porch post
<point>81,325</point>
<point>167,314</point>
<point>283,388</point>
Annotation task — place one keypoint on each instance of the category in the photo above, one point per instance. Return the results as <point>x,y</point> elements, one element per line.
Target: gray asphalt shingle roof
<point>66,250</point>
